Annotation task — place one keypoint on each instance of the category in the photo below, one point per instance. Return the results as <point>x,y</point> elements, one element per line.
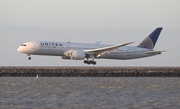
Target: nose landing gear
<point>29,57</point>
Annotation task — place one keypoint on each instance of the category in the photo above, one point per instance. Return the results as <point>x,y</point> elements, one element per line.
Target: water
<point>89,92</point>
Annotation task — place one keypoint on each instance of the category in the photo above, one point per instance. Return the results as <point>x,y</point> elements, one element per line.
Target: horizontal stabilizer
<point>157,51</point>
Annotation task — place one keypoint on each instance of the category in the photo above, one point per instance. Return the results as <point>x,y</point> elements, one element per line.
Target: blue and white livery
<point>89,52</point>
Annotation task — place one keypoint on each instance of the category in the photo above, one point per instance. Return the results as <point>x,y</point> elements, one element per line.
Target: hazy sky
<point>112,21</point>
<point>91,13</point>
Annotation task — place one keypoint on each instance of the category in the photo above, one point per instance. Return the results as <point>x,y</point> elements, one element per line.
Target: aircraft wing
<point>98,51</point>
<point>157,51</point>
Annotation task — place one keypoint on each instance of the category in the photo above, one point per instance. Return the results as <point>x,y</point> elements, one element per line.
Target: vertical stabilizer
<point>150,41</point>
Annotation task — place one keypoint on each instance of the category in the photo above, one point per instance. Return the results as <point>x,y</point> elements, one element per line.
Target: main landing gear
<point>90,62</point>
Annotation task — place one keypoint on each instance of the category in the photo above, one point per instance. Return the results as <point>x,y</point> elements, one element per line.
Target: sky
<point>88,21</point>
<point>90,13</point>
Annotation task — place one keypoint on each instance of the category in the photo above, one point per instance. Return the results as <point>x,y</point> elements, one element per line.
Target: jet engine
<point>77,54</point>
<point>65,57</point>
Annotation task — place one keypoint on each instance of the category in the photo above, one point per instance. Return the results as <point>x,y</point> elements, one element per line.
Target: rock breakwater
<point>14,71</point>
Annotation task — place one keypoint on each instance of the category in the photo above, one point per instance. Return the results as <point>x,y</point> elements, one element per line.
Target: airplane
<point>89,52</point>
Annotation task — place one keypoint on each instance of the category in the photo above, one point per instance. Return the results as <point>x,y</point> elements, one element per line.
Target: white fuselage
<point>59,49</point>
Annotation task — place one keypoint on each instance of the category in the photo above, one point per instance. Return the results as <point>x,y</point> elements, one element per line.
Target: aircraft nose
<point>19,49</point>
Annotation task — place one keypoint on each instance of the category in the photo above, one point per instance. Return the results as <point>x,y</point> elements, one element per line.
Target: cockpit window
<point>23,45</point>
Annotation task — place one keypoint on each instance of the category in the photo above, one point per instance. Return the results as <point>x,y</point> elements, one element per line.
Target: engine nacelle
<point>65,57</point>
<point>77,54</point>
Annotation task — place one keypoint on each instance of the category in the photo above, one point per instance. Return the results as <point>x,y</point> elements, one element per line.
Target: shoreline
<point>95,71</point>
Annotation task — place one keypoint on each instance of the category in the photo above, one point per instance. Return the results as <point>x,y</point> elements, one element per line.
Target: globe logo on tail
<point>146,43</point>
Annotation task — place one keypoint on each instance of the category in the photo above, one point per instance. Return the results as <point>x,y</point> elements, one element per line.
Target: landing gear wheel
<point>94,62</point>
<point>85,61</point>
<point>29,58</point>
<point>90,62</point>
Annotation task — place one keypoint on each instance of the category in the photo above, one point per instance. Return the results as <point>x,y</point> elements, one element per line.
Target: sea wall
<point>46,71</point>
